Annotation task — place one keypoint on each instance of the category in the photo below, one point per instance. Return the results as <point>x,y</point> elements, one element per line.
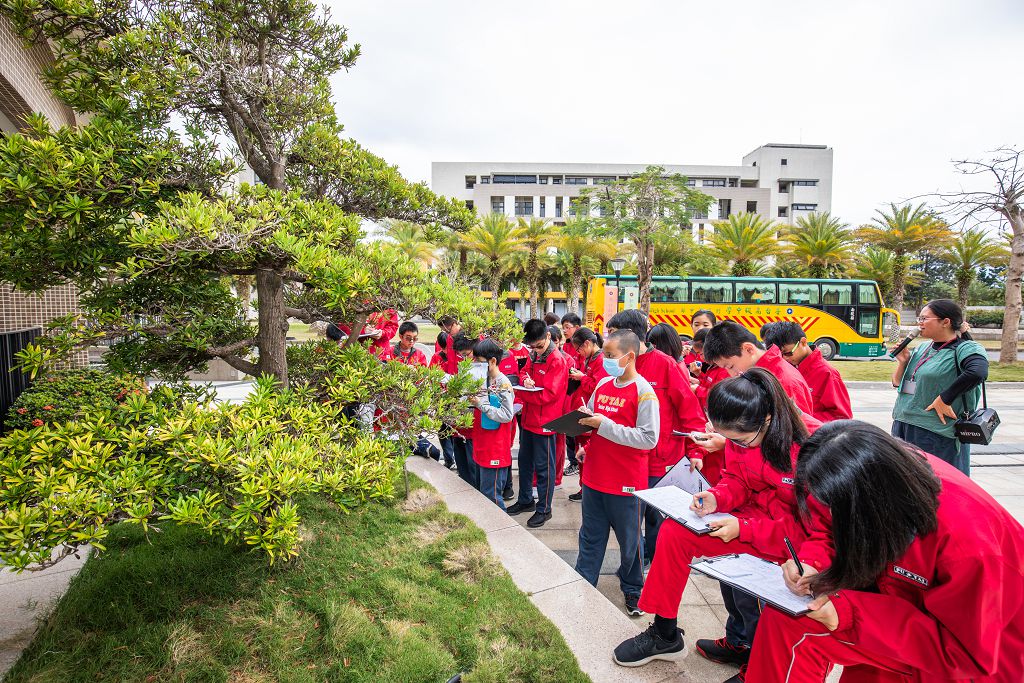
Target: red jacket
<point>762,498</point>
<point>792,381</point>
<point>952,607</point>
<point>551,373</point>
<point>708,379</point>
<point>414,357</point>
<point>387,323</point>
<point>828,391</point>
<point>593,372</point>
<point>617,452</point>
<point>679,410</point>
<point>445,353</point>
<point>574,355</point>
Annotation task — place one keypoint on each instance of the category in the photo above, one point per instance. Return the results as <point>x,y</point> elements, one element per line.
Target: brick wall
<point>21,91</point>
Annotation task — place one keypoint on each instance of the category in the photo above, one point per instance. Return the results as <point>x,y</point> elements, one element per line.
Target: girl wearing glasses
<point>761,431</point>
<point>937,382</point>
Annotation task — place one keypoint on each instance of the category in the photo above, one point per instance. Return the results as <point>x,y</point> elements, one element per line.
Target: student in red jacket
<point>545,369</point>
<point>680,412</point>
<point>734,348</point>
<point>625,421</point>
<point>927,582</point>
<point>828,390</point>
<point>492,423</point>
<point>761,431</point>
<point>588,346</point>
<point>570,323</point>
<point>381,326</point>
<point>701,320</point>
<point>405,351</point>
<point>561,441</point>
<point>450,328</point>
<point>462,440</point>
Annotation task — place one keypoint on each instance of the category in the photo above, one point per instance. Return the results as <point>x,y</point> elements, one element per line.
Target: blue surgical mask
<point>612,367</point>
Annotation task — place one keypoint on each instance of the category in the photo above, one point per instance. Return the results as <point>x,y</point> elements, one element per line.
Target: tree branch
<point>230,349</point>
<point>355,329</point>
<point>243,365</point>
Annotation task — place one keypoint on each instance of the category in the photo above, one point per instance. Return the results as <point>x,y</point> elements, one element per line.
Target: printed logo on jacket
<point>907,574</point>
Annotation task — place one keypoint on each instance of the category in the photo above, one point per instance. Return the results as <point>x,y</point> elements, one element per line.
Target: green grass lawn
<point>381,594</point>
<point>881,371</point>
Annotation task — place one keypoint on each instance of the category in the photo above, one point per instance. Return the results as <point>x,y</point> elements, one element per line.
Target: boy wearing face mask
<point>462,440</point>
<point>626,424</point>
<point>492,423</point>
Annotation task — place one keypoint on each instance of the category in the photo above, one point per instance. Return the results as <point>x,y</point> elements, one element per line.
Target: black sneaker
<point>741,677</point>
<point>576,497</point>
<point>508,494</point>
<point>571,470</point>
<point>538,519</point>
<point>722,651</point>
<point>519,508</point>
<point>632,609</point>
<point>649,646</point>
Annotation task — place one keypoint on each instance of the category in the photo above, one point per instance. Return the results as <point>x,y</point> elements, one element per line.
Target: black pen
<point>792,552</point>
<point>700,489</point>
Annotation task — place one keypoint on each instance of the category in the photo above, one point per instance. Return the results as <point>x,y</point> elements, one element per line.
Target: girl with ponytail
<point>760,431</point>
<point>588,345</point>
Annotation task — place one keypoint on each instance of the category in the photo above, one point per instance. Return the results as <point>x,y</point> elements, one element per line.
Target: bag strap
<point>984,397</point>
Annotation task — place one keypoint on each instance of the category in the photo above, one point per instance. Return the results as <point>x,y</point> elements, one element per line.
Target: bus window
<point>836,295</point>
<point>711,293</point>
<point>805,294</point>
<point>755,293</point>
<point>867,294</point>
<point>867,324</point>
<point>678,292</point>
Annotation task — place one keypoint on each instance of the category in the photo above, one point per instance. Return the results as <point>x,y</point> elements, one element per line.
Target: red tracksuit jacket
<point>550,373</point>
<point>828,391</point>
<point>792,381</point>
<point>679,410</point>
<point>414,357</point>
<point>593,372</point>
<point>387,323</point>
<point>617,452</point>
<point>953,606</point>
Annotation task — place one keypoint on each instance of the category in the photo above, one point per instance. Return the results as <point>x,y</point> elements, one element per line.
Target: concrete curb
<point>590,624</point>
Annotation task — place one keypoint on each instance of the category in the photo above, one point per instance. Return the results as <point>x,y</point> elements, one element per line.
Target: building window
<point>485,179</point>
<point>470,182</point>
<point>543,180</point>
<point>524,206</point>
<point>515,179</point>
<point>805,207</point>
<point>497,205</point>
<point>691,182</point>
<point>783,211</point>
<point>556,181</point>
<point>714,182</point>
<point>558,207</point>
<point>805,183</point>
<point>700,233</point>
<point>575,181</point>
<point>724,208</point>
<point>469,204</point>
<point>755,163</point>
<point>785,162</point>
<point>783,187</point>
<point>733,182</point>
<point>751,207</point>
<point>701,215</point>
<point>542,207</point>
<point>604,180</point>
<point>579,206</point>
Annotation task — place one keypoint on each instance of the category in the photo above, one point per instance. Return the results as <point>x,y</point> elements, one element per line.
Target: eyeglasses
<point>746,444</point>
<point>921,319</point>
<point>539,346</point>
<point>789,354</point>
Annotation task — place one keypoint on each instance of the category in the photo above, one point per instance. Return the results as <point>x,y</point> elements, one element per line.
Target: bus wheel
<point>828,347</point>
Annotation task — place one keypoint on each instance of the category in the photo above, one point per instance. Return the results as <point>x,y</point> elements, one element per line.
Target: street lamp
<point>617,265</point>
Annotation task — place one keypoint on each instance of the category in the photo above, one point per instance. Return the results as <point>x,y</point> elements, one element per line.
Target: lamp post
<point>617,265</point>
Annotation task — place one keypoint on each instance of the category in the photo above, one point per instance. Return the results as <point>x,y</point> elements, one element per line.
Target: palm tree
<point>535,236</point>
<point>877,264</point>
<point>494,238</point>
<point>580,254</point>
<point>745,239</point>
<point>973,249</point>
<point>411,239</point>
<point>455,243</point>
<point>821,242</point>
<point>905,230</point>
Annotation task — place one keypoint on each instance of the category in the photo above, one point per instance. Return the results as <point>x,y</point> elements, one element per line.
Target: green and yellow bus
<point>841,317</point>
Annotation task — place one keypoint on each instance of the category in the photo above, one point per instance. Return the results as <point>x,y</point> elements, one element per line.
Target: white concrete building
<point>778,181</point>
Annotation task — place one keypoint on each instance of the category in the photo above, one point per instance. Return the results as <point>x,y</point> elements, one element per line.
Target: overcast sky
<point>896,88</point>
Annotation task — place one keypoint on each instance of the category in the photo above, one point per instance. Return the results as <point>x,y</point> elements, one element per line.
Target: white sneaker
<point>535,496</point>
<point>558,487</point>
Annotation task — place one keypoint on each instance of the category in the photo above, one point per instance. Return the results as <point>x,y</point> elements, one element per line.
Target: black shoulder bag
<point>979,426</point>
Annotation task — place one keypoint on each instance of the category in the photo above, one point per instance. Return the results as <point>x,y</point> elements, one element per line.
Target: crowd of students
<point>917,574</point>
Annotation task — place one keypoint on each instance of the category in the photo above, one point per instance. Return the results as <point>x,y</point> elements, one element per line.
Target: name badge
<point>668,467</point>
<point>628,489</point>
<point>909,387</point>
<point>495,463</point>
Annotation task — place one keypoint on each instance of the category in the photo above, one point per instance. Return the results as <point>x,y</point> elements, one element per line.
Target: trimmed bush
<point>62,396</point>
<point>978,318</point>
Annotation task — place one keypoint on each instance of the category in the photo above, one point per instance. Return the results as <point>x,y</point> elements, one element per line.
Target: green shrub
<point>979,318</point>
<point>62,396</point>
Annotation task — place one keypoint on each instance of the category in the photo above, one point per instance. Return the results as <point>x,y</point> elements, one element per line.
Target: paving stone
<point>532,567</point>
<point>441,478</point>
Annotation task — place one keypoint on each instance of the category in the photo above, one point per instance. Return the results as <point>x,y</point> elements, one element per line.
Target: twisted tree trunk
<point>1014,271</point>
<point>899,280</point>
<point>273,325</point>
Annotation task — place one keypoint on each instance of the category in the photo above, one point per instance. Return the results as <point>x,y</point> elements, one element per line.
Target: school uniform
<point>791,380</point>
<point>536,444</point>
<point>413,357</point>
<point>387,323</point>
<point>561,440</point>
<point>616,466</point>
<point>492,447</point>
<point>831,400</point>
<point>444,346</point>
<point>440,360</point>
<point>951,608</point>
<point>593,372</point>
<point>509,366</point>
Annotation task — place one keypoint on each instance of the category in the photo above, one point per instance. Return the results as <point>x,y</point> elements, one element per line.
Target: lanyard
<point>931,354</point>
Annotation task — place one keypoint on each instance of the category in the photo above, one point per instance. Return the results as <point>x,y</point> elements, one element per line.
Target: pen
<point>799,567</point>
<point>700,489</point>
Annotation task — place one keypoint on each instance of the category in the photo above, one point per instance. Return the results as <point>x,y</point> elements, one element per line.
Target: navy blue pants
<point>464,460</point>
<point>536,455</point>
<point>744,612</point>
<point>491,482</point>
<point>448,449</point>
<point>570,450</point>
<point>945,448</point>
<point>652,522</point>
<point>603,512</point>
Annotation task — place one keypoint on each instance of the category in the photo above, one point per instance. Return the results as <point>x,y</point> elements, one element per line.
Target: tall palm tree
<point>411,239</point>
<point>971,250</point>
<point>581,254</point>
<point>745,239</point>
<point>455,243</point>
<point>535,236</point>
<point>822,243</point>
<point>494,238</point>
<point>905,231</point>
<point>877,264</point>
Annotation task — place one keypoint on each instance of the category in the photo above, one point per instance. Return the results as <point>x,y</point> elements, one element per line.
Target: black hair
<point>334,332</point>
<point>881,492</point>
<point>446,321</point>
<point>488,348</point>
<point>744,403</point>
<point>947,308</point>
<point>665,338</point>
<point>550,318</point>
<point>408,326</point>
<point>534,330</point>
<point>585,334</point>
<point>463,343</point>
<point>633,320</point>
<point>700,336</point>
<point>626,341</point>
<point>704,313</point>
<point>782,333</point>
<point>726,340</point>
<point>556,332</point>
<point>572,319</point>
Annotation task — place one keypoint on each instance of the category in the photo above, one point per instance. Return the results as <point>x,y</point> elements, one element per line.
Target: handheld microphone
<point>903,344</point>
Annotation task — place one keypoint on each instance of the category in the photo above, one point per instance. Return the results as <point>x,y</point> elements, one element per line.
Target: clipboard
<point>532,390</point>
<point>571,386</point>
<point>680,476</point>
<point>674,503</point>
<point>521,362</point>
<point>569,424</point>
<point>754,576</point>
